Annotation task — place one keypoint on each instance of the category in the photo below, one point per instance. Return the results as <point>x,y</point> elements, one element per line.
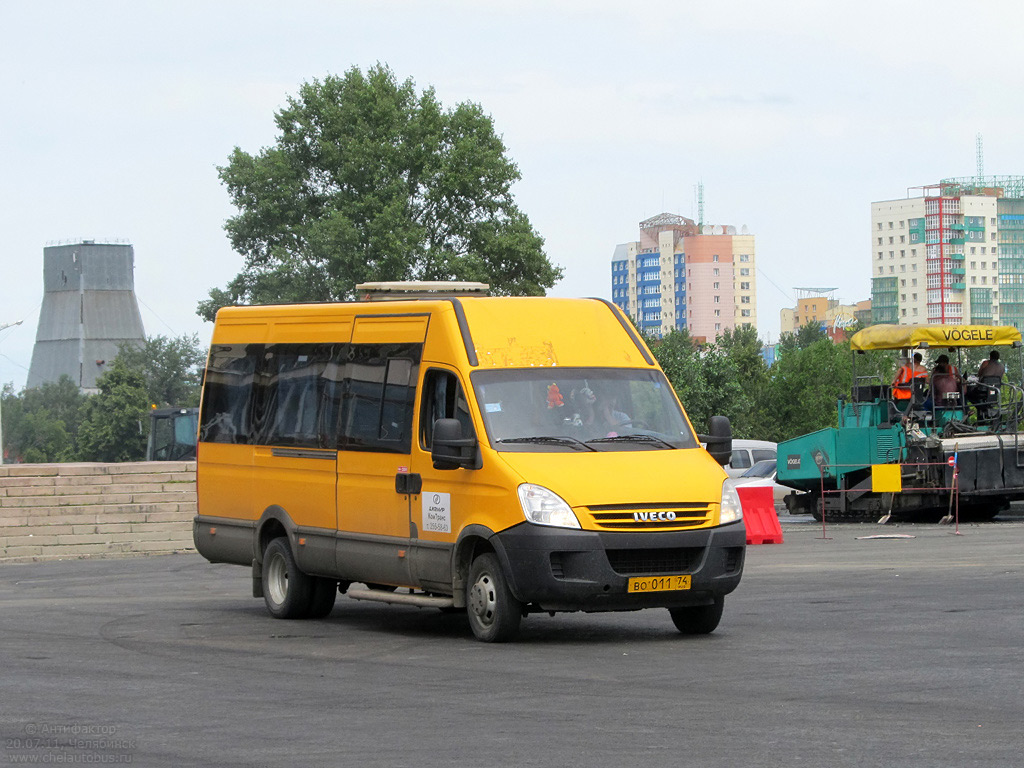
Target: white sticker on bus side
<point>437,512</point>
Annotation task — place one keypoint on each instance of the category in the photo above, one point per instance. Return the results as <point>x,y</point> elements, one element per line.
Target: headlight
<point>545,507</point>
<point>731,509</point>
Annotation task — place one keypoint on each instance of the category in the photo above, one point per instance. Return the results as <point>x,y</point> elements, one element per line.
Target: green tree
<point>805,386</point>
<point>802,338</point>
<point>11,410</point>
<point>172,368</point>
<point>40,438</point>
<point>370,180</point>
<point>114,425</point>
<point>705,378</point>
<point>41,424</point>
<point>743,347</point>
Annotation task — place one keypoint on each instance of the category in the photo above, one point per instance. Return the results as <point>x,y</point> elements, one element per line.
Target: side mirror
<point>449,449</point>
<point>719,439</point>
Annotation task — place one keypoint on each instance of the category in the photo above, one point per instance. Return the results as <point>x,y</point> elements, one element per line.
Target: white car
<point>747,453</point>
<point>762,475</point>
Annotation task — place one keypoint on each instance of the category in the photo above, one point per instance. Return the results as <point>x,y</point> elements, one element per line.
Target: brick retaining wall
<point>65,511</point>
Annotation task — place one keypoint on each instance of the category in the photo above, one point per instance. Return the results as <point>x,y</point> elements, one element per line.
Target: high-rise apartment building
<point>683,275</point>
<point>952,254</point>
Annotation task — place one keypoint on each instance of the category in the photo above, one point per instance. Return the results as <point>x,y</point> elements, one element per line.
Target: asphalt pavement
<point>837,650</point>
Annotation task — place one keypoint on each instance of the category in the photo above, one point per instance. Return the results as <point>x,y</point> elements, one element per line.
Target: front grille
<point>647,517</point>
<point>643,562</point>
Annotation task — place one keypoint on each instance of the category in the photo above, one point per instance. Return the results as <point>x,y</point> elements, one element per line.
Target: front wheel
<point>494,614</point>
<point>698,619</point>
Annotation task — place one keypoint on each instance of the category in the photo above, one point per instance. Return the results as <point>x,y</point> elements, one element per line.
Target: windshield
<point>761,469</point>
<point>580,409</point>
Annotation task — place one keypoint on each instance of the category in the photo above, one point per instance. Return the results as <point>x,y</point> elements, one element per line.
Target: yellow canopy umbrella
<point>911,336</point>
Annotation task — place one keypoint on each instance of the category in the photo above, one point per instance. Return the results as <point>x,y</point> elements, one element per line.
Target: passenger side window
<point>443,398</point>
<point>297,381</point>
<point>357,397</point>
<point>763,454</point>
<point>228,393</point>
<point>379,397</point>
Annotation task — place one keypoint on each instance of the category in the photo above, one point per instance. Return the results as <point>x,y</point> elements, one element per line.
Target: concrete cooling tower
<point>89,309</point>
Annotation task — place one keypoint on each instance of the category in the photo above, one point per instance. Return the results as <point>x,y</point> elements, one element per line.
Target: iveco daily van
<point>500,455</point>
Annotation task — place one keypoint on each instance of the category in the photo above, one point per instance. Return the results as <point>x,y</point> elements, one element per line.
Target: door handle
<point>408,482</point>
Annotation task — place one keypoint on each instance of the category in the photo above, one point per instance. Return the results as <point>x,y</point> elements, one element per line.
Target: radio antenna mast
<point>979,153</point>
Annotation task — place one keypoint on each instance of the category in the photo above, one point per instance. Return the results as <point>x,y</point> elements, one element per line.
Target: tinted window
<point>228,393</point>
<point>380,389</point>
<point>349,396</point>
<point>300,384</point>
<point>762,454</point>
<point>397,404</point>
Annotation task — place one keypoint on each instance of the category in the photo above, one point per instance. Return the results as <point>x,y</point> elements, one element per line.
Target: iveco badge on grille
<point>651,517</point>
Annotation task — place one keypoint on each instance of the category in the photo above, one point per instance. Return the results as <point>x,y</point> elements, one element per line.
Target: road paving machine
<point>956,439</point>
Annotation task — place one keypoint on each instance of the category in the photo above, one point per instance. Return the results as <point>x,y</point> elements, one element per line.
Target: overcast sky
<point>794,115</point>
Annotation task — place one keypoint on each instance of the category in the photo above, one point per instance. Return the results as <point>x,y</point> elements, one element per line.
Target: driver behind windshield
<point>602,413</point>
<point>581,409</point>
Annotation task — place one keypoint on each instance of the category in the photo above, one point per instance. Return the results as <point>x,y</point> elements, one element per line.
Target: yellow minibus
<point>504,456</point>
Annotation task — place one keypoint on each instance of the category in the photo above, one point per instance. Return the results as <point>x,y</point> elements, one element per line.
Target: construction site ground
<point>849,650</point>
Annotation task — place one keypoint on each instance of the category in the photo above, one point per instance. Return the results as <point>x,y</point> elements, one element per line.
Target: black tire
<point>698,619</point>
<point>494,614</point>
<point>325,592</point>
<point>978,513</point>
<point>287,591</point>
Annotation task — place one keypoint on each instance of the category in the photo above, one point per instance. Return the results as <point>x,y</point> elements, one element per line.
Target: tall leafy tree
<point>743,347</point>
<point>114,426</point>
<point>705,378</point>
<point>370,180</point>
<point>804,390</point>
<point>171,367</point>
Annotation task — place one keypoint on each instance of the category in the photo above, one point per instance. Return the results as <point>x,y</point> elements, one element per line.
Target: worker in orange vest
<point>902,387</point>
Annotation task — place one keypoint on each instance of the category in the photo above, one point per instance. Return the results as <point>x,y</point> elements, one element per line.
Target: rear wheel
<point>494,614</point>
<point>287,591</point>
<point>325,592</point>
<point>698,619</point>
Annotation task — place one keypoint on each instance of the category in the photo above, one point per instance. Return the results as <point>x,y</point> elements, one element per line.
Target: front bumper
<point>569,570</point>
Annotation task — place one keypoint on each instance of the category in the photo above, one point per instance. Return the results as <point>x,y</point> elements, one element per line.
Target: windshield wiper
<point>548,440</point>
<point>633,439</point>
